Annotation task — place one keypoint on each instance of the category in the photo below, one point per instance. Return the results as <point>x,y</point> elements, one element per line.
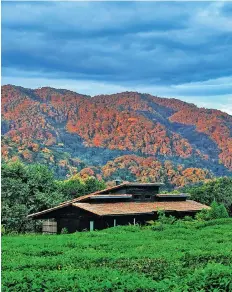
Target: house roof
<point>124,208</point>
<point>128,208</point>
<point>111,196</point>
<point>97,193</point>
<point>182,195</point>
<point>139,208</point>
<point>108,190</point>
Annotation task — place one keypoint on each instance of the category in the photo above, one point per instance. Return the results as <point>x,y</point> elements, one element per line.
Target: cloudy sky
<point>170,49</point>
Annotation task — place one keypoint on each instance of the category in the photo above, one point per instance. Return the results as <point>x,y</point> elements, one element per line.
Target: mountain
<point>129,135</point>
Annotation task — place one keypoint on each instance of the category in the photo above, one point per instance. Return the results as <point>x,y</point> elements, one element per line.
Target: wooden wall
<point>74,219</point>
<point>49,227</point>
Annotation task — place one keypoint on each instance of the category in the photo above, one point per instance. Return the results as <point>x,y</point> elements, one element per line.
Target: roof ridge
<point>113,188</point>
<point>92,194</point>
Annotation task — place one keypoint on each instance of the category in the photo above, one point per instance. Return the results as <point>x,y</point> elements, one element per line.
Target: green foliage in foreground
<point>184,256</point>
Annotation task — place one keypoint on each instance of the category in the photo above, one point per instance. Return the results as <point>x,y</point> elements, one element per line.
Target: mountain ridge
<point>112,94</point>
<point>127,123</point>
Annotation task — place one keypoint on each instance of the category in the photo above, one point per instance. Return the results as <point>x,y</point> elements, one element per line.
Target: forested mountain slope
<point>132,135</point>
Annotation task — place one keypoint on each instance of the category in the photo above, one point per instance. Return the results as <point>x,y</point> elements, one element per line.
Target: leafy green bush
<point>203,215</point>
<point>216,211</point>
<point>64,231</point>
<point>158,226</point>
<point>188,218</point>
<point>162,218</point>
<point>214,277</point>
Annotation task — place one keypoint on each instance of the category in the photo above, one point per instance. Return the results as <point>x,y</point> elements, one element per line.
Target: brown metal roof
<point>107,190</point>
<point>126,208</point>
<point>139,208</point>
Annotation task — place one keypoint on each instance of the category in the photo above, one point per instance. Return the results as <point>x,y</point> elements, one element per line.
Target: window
<point>147,197</point>
<point>137,197</point>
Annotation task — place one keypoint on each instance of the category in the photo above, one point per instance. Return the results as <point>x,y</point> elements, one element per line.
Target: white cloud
<point>156,48</point>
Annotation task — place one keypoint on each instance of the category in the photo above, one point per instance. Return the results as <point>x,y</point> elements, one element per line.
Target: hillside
<point>130,135</point>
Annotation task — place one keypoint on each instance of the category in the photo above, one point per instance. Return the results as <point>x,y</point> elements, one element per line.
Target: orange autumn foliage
<point>158,128</point>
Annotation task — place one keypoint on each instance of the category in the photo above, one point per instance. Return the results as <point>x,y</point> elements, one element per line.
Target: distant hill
<point>129,135</point>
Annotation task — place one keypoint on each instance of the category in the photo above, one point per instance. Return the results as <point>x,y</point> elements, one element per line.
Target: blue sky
<point>170,49</point>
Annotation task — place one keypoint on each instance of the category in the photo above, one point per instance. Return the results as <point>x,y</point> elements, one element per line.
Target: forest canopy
<point>68,132</point>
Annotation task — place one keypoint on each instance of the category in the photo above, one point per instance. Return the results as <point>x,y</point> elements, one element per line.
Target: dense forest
<point>127,135</point>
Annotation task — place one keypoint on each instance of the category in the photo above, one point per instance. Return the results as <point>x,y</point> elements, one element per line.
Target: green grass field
<point>180,257</point>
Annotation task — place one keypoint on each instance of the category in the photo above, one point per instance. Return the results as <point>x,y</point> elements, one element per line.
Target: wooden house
<point>127,203</point>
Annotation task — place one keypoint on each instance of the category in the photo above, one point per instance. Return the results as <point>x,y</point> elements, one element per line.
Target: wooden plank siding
<point>49,227</point>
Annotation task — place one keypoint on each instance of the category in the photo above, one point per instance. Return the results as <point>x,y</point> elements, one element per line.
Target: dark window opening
<point>147,197</point>
<point>137,197</point>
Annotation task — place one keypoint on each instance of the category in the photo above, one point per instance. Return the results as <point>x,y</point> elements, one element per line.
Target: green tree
<point>93,185</point>
<point>219,190</point>
<point>25,190</point>
<point>71,188</point>
<point>76,187</point>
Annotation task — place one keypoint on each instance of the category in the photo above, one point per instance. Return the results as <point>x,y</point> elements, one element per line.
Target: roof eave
<point>49,210</point>
<point>128,214</point>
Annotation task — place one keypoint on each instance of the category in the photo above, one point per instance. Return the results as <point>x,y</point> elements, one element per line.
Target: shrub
<point>214,277</point>
<point>203,215</point>
<point>64,231</point>
<point>162,218</point>
<point>216,211</point>
<point>188,218</point>
<point>158,226</point>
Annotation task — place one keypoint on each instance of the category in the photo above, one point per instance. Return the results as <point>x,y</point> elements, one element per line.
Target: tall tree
<point>26,190</point>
